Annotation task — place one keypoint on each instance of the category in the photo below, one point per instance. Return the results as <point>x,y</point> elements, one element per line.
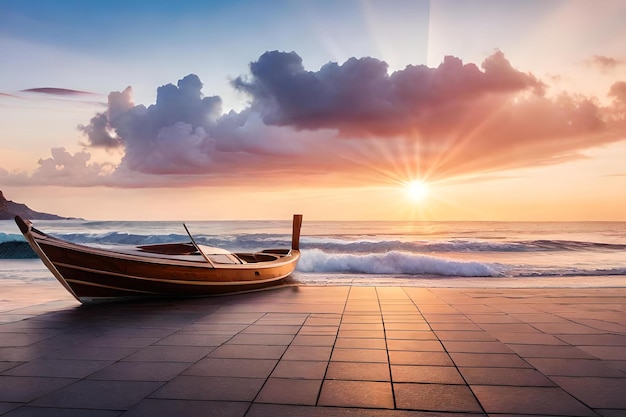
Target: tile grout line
<point>332,349</point>
<point>382,317</point>
<point>446,350</point>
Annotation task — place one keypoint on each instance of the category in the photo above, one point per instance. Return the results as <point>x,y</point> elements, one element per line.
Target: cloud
<point>605,62</point>
<point>359,97</point>
<point>64,168</point>
<point>57,91</point>
<point>353,122</point>
<point>618,92</point>
<point>157,139</point>
<point>56,96</point>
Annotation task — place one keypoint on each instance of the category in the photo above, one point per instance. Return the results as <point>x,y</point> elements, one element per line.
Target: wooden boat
<point>172,269</point>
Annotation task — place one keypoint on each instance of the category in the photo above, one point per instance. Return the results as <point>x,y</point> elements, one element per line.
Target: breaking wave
<point>371,255</point>
<point>391,263</point>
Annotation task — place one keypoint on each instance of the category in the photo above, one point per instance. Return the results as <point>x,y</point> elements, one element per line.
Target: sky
<point>339,110</point>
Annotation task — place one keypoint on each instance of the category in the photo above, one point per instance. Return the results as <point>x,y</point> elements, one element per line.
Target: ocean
<point>438,254</point>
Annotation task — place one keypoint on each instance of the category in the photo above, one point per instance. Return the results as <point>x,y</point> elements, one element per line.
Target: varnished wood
<point>92,274</point>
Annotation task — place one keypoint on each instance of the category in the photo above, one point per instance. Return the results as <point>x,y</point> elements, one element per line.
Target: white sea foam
<point>391,263</point>
<point>372,251</point>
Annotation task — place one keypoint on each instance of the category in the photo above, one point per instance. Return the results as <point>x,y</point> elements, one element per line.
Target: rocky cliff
<point>9,209</point>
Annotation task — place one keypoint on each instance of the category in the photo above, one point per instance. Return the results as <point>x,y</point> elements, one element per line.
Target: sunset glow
<point>417,190</point>
<point>363,102</point>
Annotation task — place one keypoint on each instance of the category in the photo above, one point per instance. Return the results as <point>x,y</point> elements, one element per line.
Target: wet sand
<point>316,351</point>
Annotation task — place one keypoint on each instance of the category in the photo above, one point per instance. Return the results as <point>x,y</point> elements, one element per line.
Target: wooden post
<point>295,235</point>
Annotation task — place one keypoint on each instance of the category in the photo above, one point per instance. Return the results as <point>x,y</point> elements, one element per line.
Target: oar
<point>197,247</point>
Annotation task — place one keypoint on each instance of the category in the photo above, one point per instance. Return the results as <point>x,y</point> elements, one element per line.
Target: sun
<point>417,190</point>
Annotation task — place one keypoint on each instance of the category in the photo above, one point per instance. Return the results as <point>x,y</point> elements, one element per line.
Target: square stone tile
<point>492,318</point>
<point>367,327</point>
<point>474,336</point>
<point>360,343</point>
<point>61,368</point>
<point>210,388</point>
<point>611,353</point>
<point>248,352</point>
<point>594,339</point>
<point>118,395</point>
<point>308,353</point>
<point>359,355</point>
<point>21,339</point>
<point>307,340</point>
<point>358,371</point>
<point>366,334</point>
<point>566,328</point>
<point>216,329</point>
<point>489,360</point>
<point>8,365</point>
<point>529,400</point>
<point>25,389</point>
<point>454,326</point>
<point>318,330</point>
<point>574,367</point>
<point>261,339</point>
<point>505,376</point>
<point>140,371</point>
<point>399,357</point>
<point>361,318</point>
<point>550,351</point>
<point>477,347</point>
<point>367,394</point>
<point>194,339</point>
<point>22,354</point>
<point>138,331</point>
<point>407,327</point>
<point>528,338</point>
<point>274,329</point>
<point>244,368</point>
<point>323,320</point>
<point>170,354</point>
<point>92,353</point>
<point>300,369</point>
<point>411,335</point>
<point>435,397</point>
<point>596,392</point>
<point>415,345</point>
<point>60,412</point>
<point>230,318</point>
<point>155,407</point>
<point>426,374</point>
<point>120,341</point>
<point>290,391</point>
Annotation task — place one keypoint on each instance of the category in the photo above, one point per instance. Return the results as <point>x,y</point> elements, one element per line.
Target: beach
<point>315,350</point>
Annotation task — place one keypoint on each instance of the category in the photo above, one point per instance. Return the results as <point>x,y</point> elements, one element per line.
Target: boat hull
<point>92,274</point>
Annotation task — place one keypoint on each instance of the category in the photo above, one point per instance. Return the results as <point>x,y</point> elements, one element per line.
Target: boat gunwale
<point>173,260</point>
<point>51,250</point>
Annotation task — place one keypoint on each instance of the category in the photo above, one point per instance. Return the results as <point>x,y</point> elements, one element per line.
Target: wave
<point>402,263</point>
<point>16,250</point>
<point>457,246</point>
<point>12,246</point>
<point>392,263</point>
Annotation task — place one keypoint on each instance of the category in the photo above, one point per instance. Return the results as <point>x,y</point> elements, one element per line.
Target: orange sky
<point>512,113</point>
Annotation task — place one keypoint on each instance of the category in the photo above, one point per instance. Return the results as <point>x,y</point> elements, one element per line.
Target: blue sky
<point>144,43</point>
<point>552,62</point>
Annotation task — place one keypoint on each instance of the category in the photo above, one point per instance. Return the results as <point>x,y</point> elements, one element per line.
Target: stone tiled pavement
<point>317,351</point>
